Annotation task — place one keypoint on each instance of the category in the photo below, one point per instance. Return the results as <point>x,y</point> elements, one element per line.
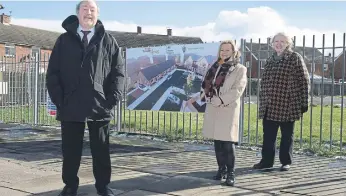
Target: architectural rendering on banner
<point>165,77</point>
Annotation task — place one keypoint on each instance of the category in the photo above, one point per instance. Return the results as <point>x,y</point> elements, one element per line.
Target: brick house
<point>339,63</point>
<point>18,43</point>
<point>257,54</point>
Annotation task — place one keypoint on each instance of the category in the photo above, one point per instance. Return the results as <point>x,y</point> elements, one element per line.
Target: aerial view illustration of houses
<point>165,77</point>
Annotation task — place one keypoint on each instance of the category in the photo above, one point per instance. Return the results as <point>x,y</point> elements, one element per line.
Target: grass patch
<point>177,126</point>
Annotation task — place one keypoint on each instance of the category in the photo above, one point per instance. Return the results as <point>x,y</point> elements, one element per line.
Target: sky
<point>211,21</point>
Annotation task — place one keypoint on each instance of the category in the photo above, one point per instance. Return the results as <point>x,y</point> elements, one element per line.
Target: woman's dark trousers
<point>225,157</point>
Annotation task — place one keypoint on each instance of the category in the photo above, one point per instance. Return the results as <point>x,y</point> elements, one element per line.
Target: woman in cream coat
<point>222,87</point>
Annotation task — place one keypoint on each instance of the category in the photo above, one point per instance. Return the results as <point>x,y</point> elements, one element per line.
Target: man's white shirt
<point>89,36</point>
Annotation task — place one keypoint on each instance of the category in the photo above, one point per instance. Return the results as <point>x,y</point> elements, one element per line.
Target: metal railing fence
<point>23,98</point>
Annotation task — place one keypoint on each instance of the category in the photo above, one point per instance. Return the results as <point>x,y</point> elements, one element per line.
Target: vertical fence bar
<point>140,122</point>
<point>43,90</point>
<point>15,84</point>
<point>164,123</point>
<point>3,91</point>
<point>190,128</point>
<point>7,87</point>
<point>146,121</point>
<point>176,125</point>
<point>250,91</point>
<point>322,94</point>
<point>183,126</point>
<point>152,122</point>
<point>129,120</point>
<point>13,69</point>
<point>332,98</point>
<point>123,52</point>
<point>302,118</point>
<point>158,123</point>
<point>258,85</point>
<point>197,125</point>
<point>313,67</point>
<point>241,116</point>
<point>36,92</point>
<point>119,115</point>
<point>22,103</point>
<point>170,123</point>
<point>135,125</point>
<point>342,90</point>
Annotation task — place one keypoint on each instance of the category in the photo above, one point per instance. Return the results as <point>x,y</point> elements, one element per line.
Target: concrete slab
<point>15,172</point>
<point>48,183</point>
<point>181,185</point>
<point>142,193</point>
<point>6,191</point>
<point>135,180</point>
<point>84,190</point>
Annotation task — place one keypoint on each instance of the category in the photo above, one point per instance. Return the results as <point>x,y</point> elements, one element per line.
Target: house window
<point>325,67</point>
<point>247,64</point>
<point>10,50</point>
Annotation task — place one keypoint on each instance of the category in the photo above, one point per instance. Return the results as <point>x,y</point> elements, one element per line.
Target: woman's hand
<point>216,101</point>
<point>190,101</point>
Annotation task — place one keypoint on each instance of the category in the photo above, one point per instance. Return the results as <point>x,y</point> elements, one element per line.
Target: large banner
<point>165,77</point>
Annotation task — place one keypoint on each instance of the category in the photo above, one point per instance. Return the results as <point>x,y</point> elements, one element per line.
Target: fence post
<point>37,61</point>
<point>241,119</point>
<point>119,105</point>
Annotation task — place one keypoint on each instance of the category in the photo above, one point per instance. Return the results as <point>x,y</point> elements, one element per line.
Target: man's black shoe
<point>106,192</point>
<point>67,191</point>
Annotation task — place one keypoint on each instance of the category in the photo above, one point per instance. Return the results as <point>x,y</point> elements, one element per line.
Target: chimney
<point>5,19</point>
<point>169,32</point>
<point>139,29</point>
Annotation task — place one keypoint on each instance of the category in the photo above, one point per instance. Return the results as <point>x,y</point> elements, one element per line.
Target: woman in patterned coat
<point>222,87</point>
<point>283,96</point>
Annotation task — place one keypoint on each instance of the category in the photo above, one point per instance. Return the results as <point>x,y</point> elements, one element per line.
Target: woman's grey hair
<point>80,3</point>
<point>288,38</point>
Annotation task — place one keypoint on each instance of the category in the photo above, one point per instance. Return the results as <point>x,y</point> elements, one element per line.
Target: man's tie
<point>85,38</point>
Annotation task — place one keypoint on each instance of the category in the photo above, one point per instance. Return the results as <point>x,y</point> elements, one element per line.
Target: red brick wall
<point>22,51</point>
<point>318,69</point>
<point>23,54</point>
<point>339,63</point>
<point>253,67</point>
<point>2,51</point>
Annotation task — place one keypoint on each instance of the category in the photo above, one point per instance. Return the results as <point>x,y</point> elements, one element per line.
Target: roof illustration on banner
<point>194,50</point>
<point>153,71</point>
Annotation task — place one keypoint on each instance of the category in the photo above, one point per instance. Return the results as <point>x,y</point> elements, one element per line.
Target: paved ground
<point>31,165</point>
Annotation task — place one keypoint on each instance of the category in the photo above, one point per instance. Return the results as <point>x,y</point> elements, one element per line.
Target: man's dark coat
<point>85,83</point>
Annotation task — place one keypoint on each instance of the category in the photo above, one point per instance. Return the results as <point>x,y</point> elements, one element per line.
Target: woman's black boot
<point>220,158</point>
<point>230,180</point>
<point>230,162</point>
<point>221,173</point>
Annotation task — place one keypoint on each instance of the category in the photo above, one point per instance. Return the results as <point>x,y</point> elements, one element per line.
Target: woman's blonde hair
<point>236,53</point>
<point>288,39</point>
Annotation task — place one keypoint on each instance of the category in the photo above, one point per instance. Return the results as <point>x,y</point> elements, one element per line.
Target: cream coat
<point>221,121</point>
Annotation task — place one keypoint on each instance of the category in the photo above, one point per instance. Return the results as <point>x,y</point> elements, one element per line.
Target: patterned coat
<point>284,88</point>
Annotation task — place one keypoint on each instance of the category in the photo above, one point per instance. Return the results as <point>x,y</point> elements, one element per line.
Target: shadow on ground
<point>156,185</point>
<point>41,150</point>
<point>194,183</point>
